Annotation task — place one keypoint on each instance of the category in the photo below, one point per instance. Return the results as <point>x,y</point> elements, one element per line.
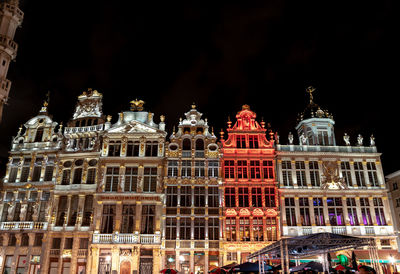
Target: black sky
<point>218,55</point>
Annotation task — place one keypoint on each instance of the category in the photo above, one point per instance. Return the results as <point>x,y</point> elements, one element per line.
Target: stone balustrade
<point>126,238</point>
<point>23,225</point>
<point>69,130</point>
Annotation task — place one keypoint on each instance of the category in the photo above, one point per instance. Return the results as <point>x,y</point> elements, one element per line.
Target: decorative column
<point>118,216</point>
<point>60,257</point>
<point>138,213</point>
<point>95,261</point>
<point>206,261</point>
<point>191,261</point>
<point>345,212</point>
<point>115,259</point>
<point>156,260</point>
<point>326,213</point>
<point>74,254</point>
<point>311,207</point>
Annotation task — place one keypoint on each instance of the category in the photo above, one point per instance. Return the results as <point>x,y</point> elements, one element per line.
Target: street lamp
<point>392,260</point>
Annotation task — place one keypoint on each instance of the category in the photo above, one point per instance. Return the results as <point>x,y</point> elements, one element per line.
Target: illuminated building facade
<point>250,194</point>
<point>10,18</point>
<point>192,197</point>
<point>329,188</point>
<point>128,201</point>
<point>27,194</point>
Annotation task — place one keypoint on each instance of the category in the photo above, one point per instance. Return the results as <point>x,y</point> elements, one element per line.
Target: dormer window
<point>199,144</point>
<point>39,135</point>
<point>133,149</point>
<point>114,148</point>
<point>199,130</point>
<point>186,130</point>
<point>240,141</point>
<point>151,149</point>
<point>186,144</point>
<point>253,141</point>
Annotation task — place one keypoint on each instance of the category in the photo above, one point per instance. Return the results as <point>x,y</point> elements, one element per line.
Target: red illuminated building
<point>249,187</point>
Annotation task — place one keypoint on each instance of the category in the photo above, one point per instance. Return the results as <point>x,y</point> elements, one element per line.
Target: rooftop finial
<point>310,91</point>
<point>193,105</point>
<point>45,103</point>
<point>137,105</point>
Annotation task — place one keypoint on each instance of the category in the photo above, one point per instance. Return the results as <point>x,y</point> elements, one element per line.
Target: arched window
<point>39,135</point>
<point>199,144</point>
<point>186,145</point>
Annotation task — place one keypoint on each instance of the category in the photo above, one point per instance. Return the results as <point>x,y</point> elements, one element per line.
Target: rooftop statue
<point>360,140</point>
<point>346,139</point>
<point>290,138</point>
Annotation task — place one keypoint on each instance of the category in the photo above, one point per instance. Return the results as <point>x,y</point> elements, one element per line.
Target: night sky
<point>219,56</point>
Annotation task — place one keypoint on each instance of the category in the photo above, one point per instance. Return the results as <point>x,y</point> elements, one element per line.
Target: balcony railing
<point>318,148</point>
<point>69,130</point>
<point>122,238</point>
<point>369,230</point>
<point>82,252</point>
<point>307,230</point>
<point>23,225</point>
<point>54,252</point>
<point>186,154</point>
<point>339,230</point>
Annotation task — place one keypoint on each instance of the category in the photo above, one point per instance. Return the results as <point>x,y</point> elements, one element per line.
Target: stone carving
<point>10,211</point>
<point>346,139</point>
<point>23,212</point>
<point>360,140</point>
<point>372,141</point>
<point>331,178</point>
<point>290,138</point>
<point>303,139</point>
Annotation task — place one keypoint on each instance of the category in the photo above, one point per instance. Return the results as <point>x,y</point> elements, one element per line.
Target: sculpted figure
<point>290,138</point>
<point>372,141</point>
<point>303,139</point>
<point>360,140</point>
<point>346,139</point>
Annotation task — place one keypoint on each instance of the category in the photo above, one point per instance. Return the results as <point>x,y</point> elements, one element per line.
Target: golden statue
<point>137,105</point>
<point>310,91</point>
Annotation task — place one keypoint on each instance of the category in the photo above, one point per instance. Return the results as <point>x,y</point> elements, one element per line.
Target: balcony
<point>339,230</point>
<point>82,253</point>
<point>8,45</point>
<point>23,225</point>
<point>317,148</point>
<point>186,154</point>
<point>71,130</point>
<point>126,238</point>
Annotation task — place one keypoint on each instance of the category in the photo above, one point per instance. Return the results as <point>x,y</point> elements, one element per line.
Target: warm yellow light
<point>392,259</point>
<point>108,258</point>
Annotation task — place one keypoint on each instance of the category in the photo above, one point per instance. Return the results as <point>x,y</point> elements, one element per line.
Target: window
<point>37,169</point>
<point>83,243</point>
<point>335,211</point>
<point>62,211</point>
<point>112,176</point>
<point>199,229</point>
<point>186,196</point>
<point>108,217</point>
<point>287,173</point>
<point>244,229</point>
<point>73,210</point>
<point>25,170</point>
<point>66,177</point>
<point>48,173</point>
<point>172,168</point>
<point>230,200</point>
<point>301,174</point>
<point>359,172</point>
<point>150,179</point>
<point>199,168</point>
<point>271,229</point>
<point>170,231</point>
<point>258,229</point>
<point>133,149</point>
<point>268,170</point>
<point>12,240</point>
<point>114,148</point>
<point>186,170</point>
<point>39,135</point>
<point>240,141</point>
<point>12,174</point>
<point>185,228</point>
<point>290,212</point>
<point>151,149</point>
<point>304,212</point>
<point>323,139</point>
<point>256,197</point>
<point>172,196</point>
<point>243,197</point>
<point>131,179</point>
<point>230,232</point>
<point>229,169</point>
<point>24,239</point>
<point>199,196</point>
<point>372,176</point>
<point>253,141</point>
<point>314,173</point>
<point>87,210</point>
<point>398,202</point>
<point>68,243</point>
<point>77,176</point>
<point>91,176</point>
<point>199,144</point>
<point>255,172</point>
<point>242,169</point>
<point>395,186</point>
<point>56,244</point>
<point>352,211</point>
<point>38,239</point>
<point>379,212</point>
<point>269,197</point>
<point>213,229</point>
<point>213,167</point>
<point>365,211</point>
<point>128,218</point>
<point>148,215</point>
<point>186,144</point>
<point>346,173</point>
<point>213,197</point>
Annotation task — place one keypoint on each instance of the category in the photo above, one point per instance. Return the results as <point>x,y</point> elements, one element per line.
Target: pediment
<point>132,127</point>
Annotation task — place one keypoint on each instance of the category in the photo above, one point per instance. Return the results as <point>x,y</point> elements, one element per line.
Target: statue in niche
<point>331,178</point>
<point>23,212</point>
<point>303,139</point>
<point>346,139</point>
<point>290,138</point>
<point>10,211</point>
<point>360,140</point>
<point>277,138</point>
<point>372,140</point>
